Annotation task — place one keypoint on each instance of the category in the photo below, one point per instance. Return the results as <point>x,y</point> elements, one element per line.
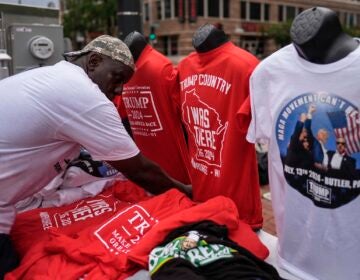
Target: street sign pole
<point>129,17</point>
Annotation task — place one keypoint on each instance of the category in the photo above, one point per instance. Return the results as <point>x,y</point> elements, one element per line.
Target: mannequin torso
<point>208,37</point>
<point>136,43</point>
<point>318,36</point>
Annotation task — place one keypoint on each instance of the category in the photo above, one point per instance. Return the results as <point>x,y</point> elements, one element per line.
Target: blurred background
<point>259,26</point>
<point>35,33</point>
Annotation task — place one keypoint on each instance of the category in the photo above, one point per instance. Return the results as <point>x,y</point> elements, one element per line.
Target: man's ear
<point>94,60</point>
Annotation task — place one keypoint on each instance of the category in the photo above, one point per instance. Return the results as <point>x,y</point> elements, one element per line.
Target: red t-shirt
<point>119,246</point>
<point>213,86</point>
<point>100,248</point>
<point>151,100</point>
<point>33,226</point>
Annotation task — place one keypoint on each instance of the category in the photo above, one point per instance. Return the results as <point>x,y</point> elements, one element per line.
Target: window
<point>226,8</point>
<point>290,12</point>
<point>213,8</point>
<point>280,13</point>
<point>250,44</point>
<point>176,8</point>
<point>158,9</point>
<point>181,10</point>
<point>266,12</point>
<point>350,19</point>
<point>286,13</point>
<point>170,45</point>
<point>146,12</point>
<point>167,6</point>
<point>255,11</point>
<point>200,8</point>
<point>243,10</point>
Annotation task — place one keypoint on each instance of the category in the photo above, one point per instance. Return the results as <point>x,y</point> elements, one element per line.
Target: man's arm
<point>149,175</point>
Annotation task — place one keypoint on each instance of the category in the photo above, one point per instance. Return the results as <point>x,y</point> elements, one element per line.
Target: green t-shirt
<point>199,253</point>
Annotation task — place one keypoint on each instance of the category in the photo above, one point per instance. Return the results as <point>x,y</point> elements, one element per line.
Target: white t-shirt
<point>316,212</point>
<point>45,115</point>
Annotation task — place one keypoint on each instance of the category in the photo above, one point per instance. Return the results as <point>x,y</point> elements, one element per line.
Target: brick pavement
<point>269,222</point>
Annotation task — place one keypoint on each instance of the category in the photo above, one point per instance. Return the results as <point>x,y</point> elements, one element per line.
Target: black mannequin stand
<point>208,37</point>
<point>319,38</point>
<point>136,43</point>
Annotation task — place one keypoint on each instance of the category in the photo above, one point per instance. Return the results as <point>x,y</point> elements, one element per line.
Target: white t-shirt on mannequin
<point>46,114</point>
<point>316,209</point>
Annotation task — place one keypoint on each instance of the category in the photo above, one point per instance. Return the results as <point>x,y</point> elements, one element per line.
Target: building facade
<point>244,21</point>
<point>55,4</point>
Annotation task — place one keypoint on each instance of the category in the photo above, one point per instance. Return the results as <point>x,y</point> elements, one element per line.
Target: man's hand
<point>303,117</point>
<point>148,175</point>
<point>312,109</point>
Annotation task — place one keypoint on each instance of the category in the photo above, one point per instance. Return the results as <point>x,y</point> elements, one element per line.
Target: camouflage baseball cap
<point>109,46</point>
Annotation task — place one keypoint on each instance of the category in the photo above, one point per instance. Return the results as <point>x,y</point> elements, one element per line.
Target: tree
<point>280,33</point>
<point>352,31</point>
<point>85,17</point>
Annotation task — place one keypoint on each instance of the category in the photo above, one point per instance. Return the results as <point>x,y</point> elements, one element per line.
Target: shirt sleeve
<point>172,86</point>
<point>119,104</point>
<point>100,130</point>
<point>243,115</point>
<point>259,130</point>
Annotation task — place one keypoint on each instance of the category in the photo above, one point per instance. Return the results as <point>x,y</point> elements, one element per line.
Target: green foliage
<point>280,32</point>
<point>84,16</point>
<point>352,31</point>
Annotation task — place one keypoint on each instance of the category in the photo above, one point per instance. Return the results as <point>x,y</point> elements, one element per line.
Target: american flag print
<point>347,126</point>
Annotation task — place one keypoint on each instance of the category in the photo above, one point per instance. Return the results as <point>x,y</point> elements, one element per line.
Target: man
<point>299,149</point>
<point>190,241</point>
<point>339,162</point>
<point>48,113</point>
<point>319,150</point>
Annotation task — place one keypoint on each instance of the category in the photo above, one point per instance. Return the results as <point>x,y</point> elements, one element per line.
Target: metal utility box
<point>31,36</point>
<point>35,45</point>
